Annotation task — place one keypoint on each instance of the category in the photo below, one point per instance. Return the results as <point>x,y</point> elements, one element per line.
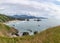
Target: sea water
<point>31,26</point>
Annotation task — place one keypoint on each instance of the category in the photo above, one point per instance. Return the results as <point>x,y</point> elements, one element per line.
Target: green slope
<point>4,18</point>
<point>51,35</point>
<point>6,30</point>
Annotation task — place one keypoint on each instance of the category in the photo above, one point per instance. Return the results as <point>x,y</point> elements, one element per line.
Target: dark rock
<point>35,32</point>
<point>15,34</point>
<point>25,33</point>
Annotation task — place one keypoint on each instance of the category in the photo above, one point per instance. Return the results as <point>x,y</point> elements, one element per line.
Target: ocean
<point>31,26</point>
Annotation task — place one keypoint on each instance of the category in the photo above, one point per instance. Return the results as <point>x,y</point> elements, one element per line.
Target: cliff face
<point>7,31</point>
<point>4,29</point>
<point>51,35</point>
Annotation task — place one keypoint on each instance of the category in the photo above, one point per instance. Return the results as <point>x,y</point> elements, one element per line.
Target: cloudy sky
<point>45,8</point>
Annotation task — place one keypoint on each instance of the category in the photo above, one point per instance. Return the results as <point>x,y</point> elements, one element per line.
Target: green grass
<point>5,18</point>
<point>51,35</point>
<point>5,30</point>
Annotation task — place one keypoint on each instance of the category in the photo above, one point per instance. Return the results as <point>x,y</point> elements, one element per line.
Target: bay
<point>28,26</point>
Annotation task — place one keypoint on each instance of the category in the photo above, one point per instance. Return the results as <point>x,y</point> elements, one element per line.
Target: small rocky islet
<point>10,34</point>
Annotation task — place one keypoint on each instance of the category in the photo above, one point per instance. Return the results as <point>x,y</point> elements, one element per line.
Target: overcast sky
<point>46,8</point>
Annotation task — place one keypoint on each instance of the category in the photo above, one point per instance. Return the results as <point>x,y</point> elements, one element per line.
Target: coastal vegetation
<point>5,18</point>
<point>7,34</point>
<point>4,29</point>
<point>51,35</point>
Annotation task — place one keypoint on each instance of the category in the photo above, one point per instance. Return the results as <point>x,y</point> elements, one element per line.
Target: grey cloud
<point>45,8</point>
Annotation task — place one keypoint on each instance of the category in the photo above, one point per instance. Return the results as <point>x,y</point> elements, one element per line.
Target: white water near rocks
<point>26,26</point>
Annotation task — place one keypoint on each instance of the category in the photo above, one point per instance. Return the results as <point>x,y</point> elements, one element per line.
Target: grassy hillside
<point>4,18</point>
<point>51,35</point>
<point>6,30</point>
